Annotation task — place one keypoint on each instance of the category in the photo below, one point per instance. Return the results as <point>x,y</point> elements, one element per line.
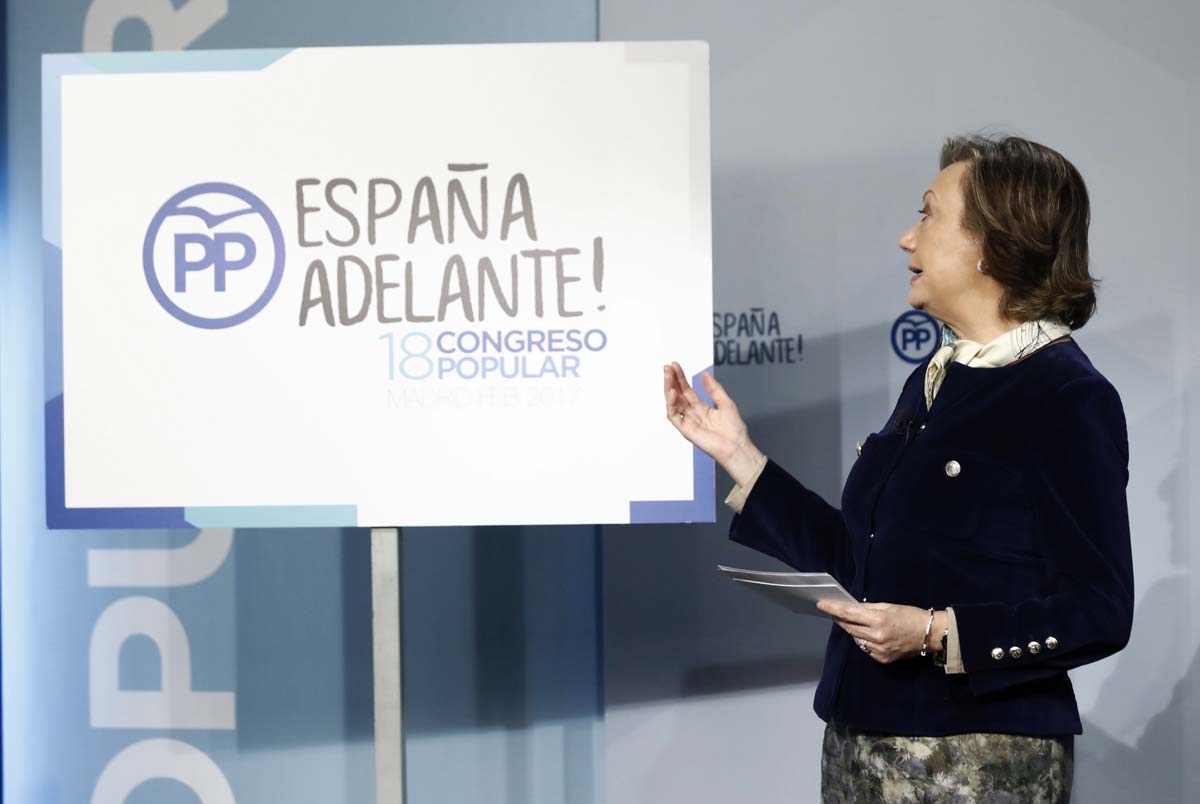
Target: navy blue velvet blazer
<point>1028,542</point>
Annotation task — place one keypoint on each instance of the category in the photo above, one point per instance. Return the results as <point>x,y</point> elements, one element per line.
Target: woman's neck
<point>982,331</point>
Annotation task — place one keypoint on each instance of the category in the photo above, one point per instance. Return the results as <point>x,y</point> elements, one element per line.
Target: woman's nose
<point>908,240</point>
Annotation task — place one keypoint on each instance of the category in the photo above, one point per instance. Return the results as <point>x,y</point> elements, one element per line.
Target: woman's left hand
<point>892,631</point>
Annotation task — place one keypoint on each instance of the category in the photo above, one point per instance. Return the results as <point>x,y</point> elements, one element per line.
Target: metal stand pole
<point>386,619</point>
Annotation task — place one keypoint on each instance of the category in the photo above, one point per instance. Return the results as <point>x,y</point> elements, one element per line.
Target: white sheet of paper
<point>790,578</point>
<point>795,591</point>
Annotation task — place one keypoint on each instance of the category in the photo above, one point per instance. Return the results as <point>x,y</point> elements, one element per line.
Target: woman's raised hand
<point>719,431</point>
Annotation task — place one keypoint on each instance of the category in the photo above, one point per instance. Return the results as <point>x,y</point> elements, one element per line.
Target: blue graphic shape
<point>273,516</point>
<point>57,513</point>
<point>183,61</point>
<point>911,331</point>
<point>175,206</point>
<point>702,506</point>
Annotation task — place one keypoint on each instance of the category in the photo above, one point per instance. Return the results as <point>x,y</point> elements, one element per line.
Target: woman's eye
<point>923,213</point>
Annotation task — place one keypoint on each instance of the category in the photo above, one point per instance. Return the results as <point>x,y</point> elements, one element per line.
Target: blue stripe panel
<point>285,622</point>
<point>273,516</point>
<point>59,516</point>
<point>52,309</point>
<point>183,61</point>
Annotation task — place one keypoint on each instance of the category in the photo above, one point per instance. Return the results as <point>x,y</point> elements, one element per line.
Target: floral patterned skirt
<point>859,766</point>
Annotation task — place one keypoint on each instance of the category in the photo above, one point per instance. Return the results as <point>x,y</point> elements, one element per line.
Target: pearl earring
<point>979,266</point>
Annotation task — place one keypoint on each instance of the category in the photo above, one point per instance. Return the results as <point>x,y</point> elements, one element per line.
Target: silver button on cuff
<point>1051,643</point>
<point>1014,652</point>
<point>953,468</point>
<point>1033,647</point>
<point>997,653</point>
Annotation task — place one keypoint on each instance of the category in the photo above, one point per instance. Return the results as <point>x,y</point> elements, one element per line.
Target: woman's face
<point>944,281</point>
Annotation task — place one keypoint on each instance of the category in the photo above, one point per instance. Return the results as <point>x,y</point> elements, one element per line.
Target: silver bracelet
<point>928,625</point>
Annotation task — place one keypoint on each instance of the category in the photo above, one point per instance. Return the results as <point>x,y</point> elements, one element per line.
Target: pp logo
<point>213,255</point>
<point>915,336</point>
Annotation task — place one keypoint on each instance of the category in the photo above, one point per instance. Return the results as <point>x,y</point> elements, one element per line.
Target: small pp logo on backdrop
<point>915,336</point>
<point>213,255</point>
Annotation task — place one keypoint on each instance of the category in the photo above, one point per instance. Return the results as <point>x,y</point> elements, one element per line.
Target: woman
<point>984,527</point>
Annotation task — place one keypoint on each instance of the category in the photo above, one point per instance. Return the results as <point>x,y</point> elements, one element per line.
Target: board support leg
<point>387,616</point>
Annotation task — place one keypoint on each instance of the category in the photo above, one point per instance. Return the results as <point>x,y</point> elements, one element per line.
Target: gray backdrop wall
<point>826,123</point>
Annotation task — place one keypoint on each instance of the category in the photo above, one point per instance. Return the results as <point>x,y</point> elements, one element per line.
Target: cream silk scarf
<point>1005,348</point>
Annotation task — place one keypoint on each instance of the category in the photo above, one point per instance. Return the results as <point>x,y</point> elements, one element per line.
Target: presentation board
<point>375,286</point>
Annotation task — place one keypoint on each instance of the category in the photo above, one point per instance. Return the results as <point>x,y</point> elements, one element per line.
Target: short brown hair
<point>1028,207</point>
